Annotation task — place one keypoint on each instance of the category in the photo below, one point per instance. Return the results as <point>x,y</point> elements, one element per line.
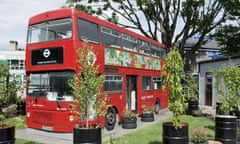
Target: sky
<point>14,16</point>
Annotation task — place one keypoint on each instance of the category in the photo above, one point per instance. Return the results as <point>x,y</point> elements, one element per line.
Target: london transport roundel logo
<point>46,53</point>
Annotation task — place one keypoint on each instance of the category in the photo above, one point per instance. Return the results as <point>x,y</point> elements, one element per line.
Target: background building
<point>207,92</point>
<point>15,59</point>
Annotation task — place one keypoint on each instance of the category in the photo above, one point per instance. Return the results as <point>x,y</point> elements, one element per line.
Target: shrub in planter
<point>147,113</point>
<point>191,92</point>
<point>89,103</point>
<point>7,132</point>
<point>173,69</point>
<point>129,120</point>
<point>227,85</point>
<point>199,136</point>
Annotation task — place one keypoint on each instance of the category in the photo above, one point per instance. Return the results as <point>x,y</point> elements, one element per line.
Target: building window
<point>15,64</point>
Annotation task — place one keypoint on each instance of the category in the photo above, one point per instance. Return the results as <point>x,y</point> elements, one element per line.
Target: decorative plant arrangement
<point>129,120</point>
<point>199,136</point>
<point>86,88</point>
<point>191,93</point>
<point>147,108</point>
<point>175,131</point>
<point>147,113</point>
<point>192,87</point>
<point>227,86</point>
<point>7,132</point>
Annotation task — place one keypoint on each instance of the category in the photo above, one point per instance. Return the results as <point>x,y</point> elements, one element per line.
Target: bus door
<point>131,96</point>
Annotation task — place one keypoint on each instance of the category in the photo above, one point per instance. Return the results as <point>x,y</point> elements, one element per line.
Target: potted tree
<point>175,131</point>
<point>129,120</point>
<point>191,93</point>
<point>227,85</point>
<point>89,102</point>
<point>7,132</point>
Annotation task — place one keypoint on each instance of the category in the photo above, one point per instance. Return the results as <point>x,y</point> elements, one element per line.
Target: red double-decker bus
<point>130,63</point>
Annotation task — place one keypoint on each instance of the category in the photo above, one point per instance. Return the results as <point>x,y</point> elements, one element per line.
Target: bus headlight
<point>71,118</point>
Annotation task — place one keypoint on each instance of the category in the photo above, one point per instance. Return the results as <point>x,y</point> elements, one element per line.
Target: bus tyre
<point>111,119</point>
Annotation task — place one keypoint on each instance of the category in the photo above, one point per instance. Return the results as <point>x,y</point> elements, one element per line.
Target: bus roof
<point>71,12</point>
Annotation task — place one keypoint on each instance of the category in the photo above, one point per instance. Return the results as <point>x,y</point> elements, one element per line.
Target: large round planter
<point>129,123</point>
<point>192,106</point>
<point>206,142</point>
<point>171,135</point>
<point>226,129</point>
<point>147,117</point>
<point>87,136</point>
<point>7,135</point>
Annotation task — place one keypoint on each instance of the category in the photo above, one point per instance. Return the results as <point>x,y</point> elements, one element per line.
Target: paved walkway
<point>67,138</point>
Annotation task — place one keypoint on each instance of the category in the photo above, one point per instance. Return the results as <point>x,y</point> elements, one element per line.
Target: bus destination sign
<point>47,56</point>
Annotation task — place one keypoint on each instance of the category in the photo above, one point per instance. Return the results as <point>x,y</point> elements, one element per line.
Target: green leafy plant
<point>6,90</point>
<point>147,108</point>
<point>86,87</point>
<point>4,85</point>
<point>227,85</point>
<point>200,135</point>
<point>128,114</point>
<point>191,91</point>
<point>173,67</point>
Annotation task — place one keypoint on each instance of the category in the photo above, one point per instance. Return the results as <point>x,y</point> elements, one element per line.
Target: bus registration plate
<point>47,128</point>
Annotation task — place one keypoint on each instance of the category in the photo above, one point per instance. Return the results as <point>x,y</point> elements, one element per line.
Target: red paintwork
<point>45,114</point>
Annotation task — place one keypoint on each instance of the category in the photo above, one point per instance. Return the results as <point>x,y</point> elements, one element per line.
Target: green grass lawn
<point>21,141</point>
<point>153,133</point>
<point>20,123</point>
<point>148,135</point>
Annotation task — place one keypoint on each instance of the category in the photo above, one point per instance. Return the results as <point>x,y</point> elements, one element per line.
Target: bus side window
<point>88,30</point>
<point>111,37</point>
<point>143,47</point>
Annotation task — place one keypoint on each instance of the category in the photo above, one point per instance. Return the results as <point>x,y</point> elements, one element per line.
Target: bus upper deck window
<point>50,30</point>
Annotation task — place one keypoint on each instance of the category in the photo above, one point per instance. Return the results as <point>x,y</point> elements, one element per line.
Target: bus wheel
<point>157,107</point>
<point>111,119</point>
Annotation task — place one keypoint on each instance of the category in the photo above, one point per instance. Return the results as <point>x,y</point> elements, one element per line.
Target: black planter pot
<point>175,136</point>
<point>147,117</point>
<point>238,130</point>
<point>226,129</point>
<point>21,108</point>
<point>7,135</point>
<point>193,106</point>
<point>237,113</point>
<point>87,136</point>
<point>129,123</point>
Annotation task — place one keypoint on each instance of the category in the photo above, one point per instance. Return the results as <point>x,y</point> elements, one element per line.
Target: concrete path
<point>67,138</point>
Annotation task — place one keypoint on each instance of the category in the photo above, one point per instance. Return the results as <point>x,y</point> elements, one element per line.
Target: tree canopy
<point>168,21</point>
<point>228,34</point>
